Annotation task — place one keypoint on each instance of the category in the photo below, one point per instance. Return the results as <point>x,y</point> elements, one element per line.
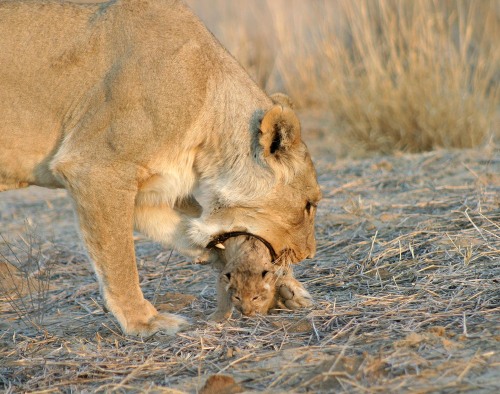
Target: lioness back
<point>63,64</point>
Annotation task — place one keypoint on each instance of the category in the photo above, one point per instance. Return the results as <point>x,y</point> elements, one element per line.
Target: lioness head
<point>274,196</point>
<point>290,207</point>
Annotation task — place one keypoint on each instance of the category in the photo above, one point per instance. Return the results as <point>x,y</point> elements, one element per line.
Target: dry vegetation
<point>394,75</point>
<point>406,283</point>
<point>407,275</point>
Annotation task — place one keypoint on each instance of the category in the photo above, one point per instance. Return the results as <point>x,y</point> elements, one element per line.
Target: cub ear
<point>267,275</point>
<point>279,130</point>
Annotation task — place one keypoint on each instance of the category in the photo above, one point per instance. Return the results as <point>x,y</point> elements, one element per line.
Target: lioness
<point>146,120</point>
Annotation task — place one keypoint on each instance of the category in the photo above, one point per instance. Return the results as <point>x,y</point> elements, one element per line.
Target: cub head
<point>252,291</point>
<point>248,275</point>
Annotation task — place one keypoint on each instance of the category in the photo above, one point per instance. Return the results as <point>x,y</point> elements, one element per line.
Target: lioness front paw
<point>293,295</point>
<point>167,323</point>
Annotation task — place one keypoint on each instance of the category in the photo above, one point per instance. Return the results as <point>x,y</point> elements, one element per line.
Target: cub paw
<point>218,316</point>
<point>293,295</point>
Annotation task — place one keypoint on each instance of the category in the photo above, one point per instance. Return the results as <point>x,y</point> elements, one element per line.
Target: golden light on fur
<point>280,130</point>
<point>150,130</point>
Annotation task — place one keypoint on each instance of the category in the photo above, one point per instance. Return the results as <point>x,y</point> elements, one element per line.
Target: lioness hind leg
<point>104,201</point>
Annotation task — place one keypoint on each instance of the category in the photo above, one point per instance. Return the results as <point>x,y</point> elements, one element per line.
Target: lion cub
<point>251,283</point>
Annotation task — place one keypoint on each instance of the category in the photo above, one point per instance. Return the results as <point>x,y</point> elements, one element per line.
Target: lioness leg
<point>104,201</point>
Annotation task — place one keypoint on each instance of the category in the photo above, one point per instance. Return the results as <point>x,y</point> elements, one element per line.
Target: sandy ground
<point>406,284</point>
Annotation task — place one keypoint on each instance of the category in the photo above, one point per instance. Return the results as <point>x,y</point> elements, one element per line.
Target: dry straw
<point>405,280</point>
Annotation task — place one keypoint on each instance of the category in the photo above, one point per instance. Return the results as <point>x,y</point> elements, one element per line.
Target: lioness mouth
<point>218,241</point>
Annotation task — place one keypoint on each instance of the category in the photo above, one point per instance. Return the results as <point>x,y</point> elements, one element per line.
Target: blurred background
<point>377,76</point>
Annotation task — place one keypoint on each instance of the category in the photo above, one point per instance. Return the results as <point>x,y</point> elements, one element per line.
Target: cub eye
<point>237,298</point>
<point>255,298</point>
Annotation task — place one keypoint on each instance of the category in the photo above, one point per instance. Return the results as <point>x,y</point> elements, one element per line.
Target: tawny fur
<point>136,109</point>
<point>252,283</point>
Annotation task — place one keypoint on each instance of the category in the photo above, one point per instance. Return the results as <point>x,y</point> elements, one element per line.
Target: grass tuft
<point>25,277</point>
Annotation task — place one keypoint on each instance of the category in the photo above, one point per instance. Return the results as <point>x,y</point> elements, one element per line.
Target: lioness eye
<point>309,205</point>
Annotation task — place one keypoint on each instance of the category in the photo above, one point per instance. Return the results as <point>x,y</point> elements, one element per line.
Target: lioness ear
<point>283,99</point>
<point>279,130</point>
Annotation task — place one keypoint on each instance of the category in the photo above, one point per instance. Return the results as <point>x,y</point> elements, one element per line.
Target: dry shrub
<point>417,75</point>
<point>395,74</point>
<point>25,277</point>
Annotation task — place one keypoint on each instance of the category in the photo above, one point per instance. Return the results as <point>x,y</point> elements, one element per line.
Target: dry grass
<point>406,282</point>
<point>406,277</point>
<point>395,75</point>
<point>25,277</point>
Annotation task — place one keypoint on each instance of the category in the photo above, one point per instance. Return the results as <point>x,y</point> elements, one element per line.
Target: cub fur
<point>250,281</point>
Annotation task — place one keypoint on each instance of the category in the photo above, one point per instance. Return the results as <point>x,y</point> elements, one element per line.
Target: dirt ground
<point>406,283</point>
